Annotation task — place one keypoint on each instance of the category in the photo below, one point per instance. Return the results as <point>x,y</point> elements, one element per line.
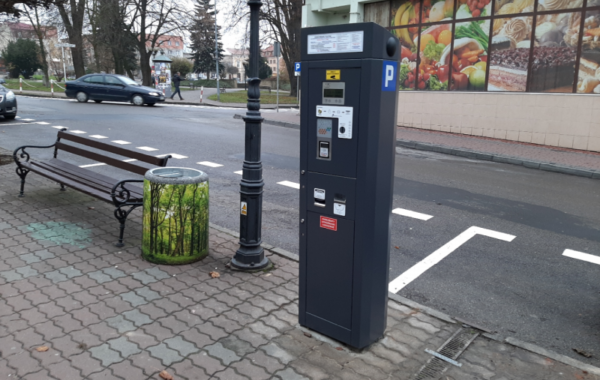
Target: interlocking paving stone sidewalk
<point>105,313</point>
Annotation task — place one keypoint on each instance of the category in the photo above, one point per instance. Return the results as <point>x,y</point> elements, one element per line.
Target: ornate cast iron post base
<point>251,256</point>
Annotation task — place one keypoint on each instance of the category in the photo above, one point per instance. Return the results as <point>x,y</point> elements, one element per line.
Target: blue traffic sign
<point>297,68</point>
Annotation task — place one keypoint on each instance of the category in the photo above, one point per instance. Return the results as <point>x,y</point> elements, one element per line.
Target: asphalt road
<point>508,274</point>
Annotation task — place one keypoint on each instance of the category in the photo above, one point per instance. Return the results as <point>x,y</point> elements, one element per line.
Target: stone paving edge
<point>467,153</point>
<point>445,317</point>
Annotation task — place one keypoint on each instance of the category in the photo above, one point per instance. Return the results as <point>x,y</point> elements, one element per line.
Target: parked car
<point>8,103</point>
<point>116,88</point>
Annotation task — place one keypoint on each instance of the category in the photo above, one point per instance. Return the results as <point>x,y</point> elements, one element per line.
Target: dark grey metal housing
<point>344,272</point>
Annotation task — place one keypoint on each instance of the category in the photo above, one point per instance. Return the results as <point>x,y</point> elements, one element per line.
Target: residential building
<point>168,45</point>
<point>236,58</point>
<point>269,54</point>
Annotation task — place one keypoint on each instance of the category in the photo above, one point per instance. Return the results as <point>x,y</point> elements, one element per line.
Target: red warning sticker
<point>329,223</point>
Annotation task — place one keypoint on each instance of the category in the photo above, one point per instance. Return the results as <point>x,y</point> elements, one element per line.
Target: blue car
<point>114,88</point>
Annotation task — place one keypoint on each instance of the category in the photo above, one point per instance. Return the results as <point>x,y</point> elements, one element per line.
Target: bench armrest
<point>25,155</point>
<point>121,195</point>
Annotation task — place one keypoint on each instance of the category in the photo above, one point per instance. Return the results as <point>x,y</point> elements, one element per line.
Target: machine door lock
<point>339,205</point>
<point>324,149</point>
<point>319,197</point>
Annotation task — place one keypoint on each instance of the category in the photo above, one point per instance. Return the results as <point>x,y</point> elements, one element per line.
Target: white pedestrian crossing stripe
<point>147,148</point>
<point>98,137</point>
<point>411,214</point>
<point>293,185</point>
<point>209,164</point>
<point>121,142</point>
<point>173,155</point>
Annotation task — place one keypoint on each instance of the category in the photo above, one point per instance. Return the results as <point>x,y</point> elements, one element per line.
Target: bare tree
<point>152,19</point>
<point>72,13</point>
<point>33,15</point>
<point>281,20</point>
<point>10,7</point>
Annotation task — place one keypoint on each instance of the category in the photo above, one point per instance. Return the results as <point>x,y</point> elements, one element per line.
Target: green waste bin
<point>175,222</point>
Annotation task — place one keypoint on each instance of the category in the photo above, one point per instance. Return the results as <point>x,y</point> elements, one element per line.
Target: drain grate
<point>451,349</point>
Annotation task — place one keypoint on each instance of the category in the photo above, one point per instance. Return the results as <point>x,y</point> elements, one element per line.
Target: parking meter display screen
<point>333,93</point>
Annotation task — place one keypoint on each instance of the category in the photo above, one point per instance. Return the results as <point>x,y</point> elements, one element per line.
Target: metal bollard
<point>201,93</point>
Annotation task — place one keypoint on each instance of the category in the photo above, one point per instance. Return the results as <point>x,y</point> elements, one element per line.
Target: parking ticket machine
<point>347,151</point>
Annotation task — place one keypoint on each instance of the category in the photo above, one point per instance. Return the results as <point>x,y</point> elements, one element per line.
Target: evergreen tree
<point>22,57</point>
<point>264,70</point>
<point>202,34</point>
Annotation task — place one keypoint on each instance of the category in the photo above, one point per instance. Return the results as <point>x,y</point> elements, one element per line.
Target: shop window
<point>555,52</point>
<point>509,54</point>
<point>498,45</point>
<point>588,76</point>
<point>409,57</point>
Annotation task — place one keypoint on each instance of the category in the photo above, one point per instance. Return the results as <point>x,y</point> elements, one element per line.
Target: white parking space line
<point>240,172</point>
<point>90,165</point>
<point>411,214</point>
<point>130,160</point>
<point>209,164</point>
<point>147,148</point>
<point>293,185</point>
<point>42,123</point>
<point>78,132</point>
<point>582,256</point>
<point>121,142</point>
<point>27,119</point>
<point>58,126</point>
<point>422,266</point>
<point>99,137</point>
<point>173,155</point>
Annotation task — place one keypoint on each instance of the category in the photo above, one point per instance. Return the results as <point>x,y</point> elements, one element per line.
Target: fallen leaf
<point>90,208</point>
<point>165,375</point>
<point>339,348</point>
<point>309,335</point>
<point>583,353</point>
<point>42,348</point>
<point>397,247</point>
<point>214,274</point>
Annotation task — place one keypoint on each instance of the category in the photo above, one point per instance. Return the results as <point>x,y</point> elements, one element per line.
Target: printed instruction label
<point>328,223</point>
<point>244,208</point>
<point>339,209</point>
<point>332,43</point>
<point>344,116</point>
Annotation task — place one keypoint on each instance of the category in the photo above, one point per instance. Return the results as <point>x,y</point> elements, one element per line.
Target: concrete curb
<point>273,122</point>
<point>467,153</point>
<point>446,318</point>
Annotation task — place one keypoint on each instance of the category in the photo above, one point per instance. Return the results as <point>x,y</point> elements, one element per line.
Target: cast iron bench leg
<point>121,216</point>
<point>22,173</point>
<point>62,187</point>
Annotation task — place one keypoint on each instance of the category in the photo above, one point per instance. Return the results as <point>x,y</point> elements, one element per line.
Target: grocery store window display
<point>498,45</point>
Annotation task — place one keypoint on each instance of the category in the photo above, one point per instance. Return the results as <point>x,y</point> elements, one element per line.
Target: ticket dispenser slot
<point>347,155</point>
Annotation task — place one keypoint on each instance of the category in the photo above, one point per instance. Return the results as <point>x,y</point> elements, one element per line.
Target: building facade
<point>522,70</point>
<point>269,54</point>
<point>167,45</point>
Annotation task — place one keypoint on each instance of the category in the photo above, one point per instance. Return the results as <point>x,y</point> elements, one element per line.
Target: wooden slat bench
<point>99,186</point>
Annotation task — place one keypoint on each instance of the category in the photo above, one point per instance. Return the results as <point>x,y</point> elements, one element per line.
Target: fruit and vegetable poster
<point>498,45</point>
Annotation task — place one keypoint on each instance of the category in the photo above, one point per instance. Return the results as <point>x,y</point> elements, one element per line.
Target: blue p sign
<point>297,68</point>
<point>390,73</point>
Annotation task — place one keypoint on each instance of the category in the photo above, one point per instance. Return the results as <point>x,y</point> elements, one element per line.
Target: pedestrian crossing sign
<point>244,208</point>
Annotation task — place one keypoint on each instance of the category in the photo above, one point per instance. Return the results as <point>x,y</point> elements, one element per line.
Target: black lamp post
<point>251,256</point>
